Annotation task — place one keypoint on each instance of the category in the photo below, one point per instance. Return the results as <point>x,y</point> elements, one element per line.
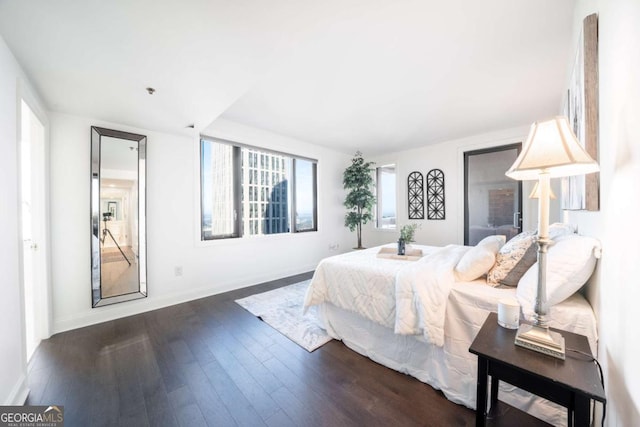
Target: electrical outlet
<point>333,246</point>
<point>178,271</point>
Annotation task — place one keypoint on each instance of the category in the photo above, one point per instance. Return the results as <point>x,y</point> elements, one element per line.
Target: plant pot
<point>401,247</point>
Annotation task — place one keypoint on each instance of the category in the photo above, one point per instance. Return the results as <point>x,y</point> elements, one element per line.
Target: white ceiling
<point>374,75</point>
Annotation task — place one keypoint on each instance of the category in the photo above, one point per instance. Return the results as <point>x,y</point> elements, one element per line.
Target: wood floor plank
<point>210,362</point>
<point>136,418</point>
<point>104,406</point>
<point>280,419</point>
<point>296,410</point>
<point>341,389</point>
<point>256,369</point>
<point>211,406</point>
<point>248,386</point>
<point>181,352</point>
<point>308,400</point>
<point>157,404</point>
<point>163,355</point>
<point>190,416</point>
<point>105,401</point>
<point>195,338</point>
<point>130,394</point>
<point>239,407</point>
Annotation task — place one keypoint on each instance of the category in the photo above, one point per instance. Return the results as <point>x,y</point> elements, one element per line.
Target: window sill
<point>386,230</point>
<point>245,240</point>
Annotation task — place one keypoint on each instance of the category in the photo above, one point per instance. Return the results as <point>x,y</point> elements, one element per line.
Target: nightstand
<point>571,383</point>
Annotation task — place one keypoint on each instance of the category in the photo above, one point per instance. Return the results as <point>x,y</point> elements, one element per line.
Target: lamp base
<point>542,340</point>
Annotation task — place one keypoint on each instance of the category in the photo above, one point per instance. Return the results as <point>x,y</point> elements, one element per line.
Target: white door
<point>33,233</point>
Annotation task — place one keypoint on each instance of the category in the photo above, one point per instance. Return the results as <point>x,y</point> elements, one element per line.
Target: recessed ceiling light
<point>150,90</point>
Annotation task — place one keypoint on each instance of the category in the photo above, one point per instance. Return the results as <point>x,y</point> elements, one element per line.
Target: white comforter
<point>409,297</point>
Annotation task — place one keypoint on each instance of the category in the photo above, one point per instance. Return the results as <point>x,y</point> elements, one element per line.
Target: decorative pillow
<point>509,256</point>
<point>522,266</point>
<point>570,263</point>
<point>558,229</point>
<point>479,259</point>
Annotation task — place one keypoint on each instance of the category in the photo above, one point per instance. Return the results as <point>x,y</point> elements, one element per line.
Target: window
<point>386,197</point>
<point>305,195</point>
<point>247,191</point>
<point>219,207</point>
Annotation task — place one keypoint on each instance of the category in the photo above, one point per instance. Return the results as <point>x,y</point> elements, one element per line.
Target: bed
<point>419,318</point>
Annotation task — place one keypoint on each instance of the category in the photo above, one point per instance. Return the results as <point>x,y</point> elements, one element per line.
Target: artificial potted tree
<point>358,180</point>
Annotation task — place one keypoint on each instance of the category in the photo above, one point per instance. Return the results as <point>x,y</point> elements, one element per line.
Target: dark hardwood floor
<point>210,362</point>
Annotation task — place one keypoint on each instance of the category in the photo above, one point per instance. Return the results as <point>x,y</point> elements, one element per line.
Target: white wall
<point>449,157</point>
<point>172,222</point>
<point>13,388</point>
<point>615,292</point>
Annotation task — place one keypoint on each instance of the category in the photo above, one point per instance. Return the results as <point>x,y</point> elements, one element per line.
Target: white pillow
<point>570,263</point>
<point>479,259</point>
<point>493,242</point>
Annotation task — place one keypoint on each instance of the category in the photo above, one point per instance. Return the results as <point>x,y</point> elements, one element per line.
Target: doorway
<point>33,228</point>
<point>493,202</point>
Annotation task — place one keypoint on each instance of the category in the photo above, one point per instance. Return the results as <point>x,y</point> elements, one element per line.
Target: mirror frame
<point>96,259</point>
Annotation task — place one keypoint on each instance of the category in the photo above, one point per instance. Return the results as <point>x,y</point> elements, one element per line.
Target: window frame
<point>314,183</point>
<point>239,187</point>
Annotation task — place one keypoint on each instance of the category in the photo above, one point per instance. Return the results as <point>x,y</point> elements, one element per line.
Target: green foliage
<point>407,232</point>
<point>359,202</point>
<point>353,219</point>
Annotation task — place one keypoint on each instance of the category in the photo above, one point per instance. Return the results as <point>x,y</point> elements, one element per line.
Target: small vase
<point>401,247</point>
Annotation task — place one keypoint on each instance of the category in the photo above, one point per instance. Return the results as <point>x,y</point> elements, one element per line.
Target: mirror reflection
<point>117,204</point>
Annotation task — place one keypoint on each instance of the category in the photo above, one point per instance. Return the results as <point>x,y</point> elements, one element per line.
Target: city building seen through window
<point>247,191</point>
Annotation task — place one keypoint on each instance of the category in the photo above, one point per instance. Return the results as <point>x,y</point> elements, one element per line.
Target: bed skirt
<point>451,368</point>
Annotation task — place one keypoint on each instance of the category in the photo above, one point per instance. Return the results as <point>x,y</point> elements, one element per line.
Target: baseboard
<point>104,314</point>
<point>19,393</point>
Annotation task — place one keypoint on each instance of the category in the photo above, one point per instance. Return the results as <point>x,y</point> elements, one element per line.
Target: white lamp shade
<point>551,148</point>
<point>535,192</point>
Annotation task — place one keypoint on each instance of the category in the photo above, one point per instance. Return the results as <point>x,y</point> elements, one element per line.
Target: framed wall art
<point>435,194</point>
<point>582,192</point>
<point>415,195</point>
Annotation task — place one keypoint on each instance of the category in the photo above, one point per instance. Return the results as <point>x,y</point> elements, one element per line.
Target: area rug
<point>282,310</point>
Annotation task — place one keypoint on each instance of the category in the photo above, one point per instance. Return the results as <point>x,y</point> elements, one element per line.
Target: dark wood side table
<point>571,383</point>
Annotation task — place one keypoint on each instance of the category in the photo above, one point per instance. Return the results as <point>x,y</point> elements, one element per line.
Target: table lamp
<point>535,192</point>
<point>550,151</point>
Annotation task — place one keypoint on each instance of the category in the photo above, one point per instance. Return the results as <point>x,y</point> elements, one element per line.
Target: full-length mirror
<point>118,230</point>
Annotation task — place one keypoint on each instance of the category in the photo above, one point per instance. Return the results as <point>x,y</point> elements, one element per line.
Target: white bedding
<point>447,364</point>
<point>406,296</point>
<point>358,281</point>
